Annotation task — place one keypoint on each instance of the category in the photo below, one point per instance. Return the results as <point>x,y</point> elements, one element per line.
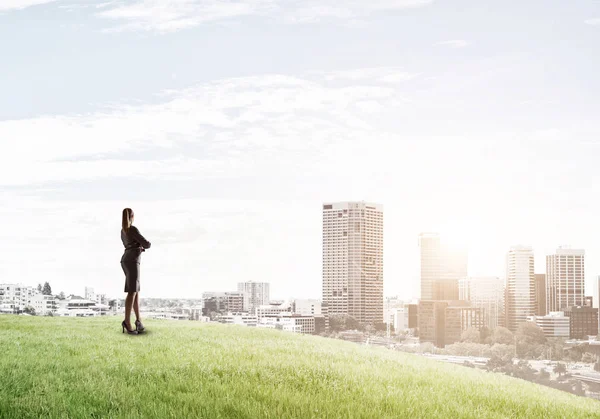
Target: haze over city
<point>226,126</point>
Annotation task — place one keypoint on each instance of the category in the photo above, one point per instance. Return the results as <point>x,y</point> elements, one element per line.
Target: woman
<point>134,244</point>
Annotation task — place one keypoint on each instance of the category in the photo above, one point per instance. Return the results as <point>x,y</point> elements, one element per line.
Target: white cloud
<point>594,21</point>
<point>455,43</point>
<point>377,74</point>
<point>162,17</point>
<point>21,4</point>
<point>236,123</point>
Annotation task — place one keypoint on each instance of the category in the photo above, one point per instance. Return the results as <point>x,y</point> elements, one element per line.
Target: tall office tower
<point>256,294</point>
<point>353,260</point>
<point>441,268</point>
<point>540,295</point>
<point>486,293</point>
<point>565,279</point>
<point>431,264</point>
<point>520,286</point>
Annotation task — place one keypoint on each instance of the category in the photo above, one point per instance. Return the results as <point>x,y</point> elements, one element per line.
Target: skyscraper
<point>353,260</point>
<point>255,295</point>
<point>486,293</point>
<point>431,264</point>
<point>565,279</point>
<point>520,286</point>
<point>441,268</point>
<point>540,295</point>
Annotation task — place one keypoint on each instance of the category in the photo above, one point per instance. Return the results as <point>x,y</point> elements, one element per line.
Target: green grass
<point>65,367</point>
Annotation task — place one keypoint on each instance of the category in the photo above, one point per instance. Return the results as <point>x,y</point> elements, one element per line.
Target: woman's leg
<point>136,306</point>
<point>128,306</point>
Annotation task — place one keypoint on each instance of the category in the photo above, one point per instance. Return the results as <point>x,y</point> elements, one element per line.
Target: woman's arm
<point>137,236</point>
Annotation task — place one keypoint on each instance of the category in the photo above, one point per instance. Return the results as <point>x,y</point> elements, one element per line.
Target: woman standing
<point>134,244</point>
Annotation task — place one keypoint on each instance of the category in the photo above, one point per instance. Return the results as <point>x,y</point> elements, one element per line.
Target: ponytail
<point>126,220</point>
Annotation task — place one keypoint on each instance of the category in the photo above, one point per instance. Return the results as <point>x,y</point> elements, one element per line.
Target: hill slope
<point>56,367</point>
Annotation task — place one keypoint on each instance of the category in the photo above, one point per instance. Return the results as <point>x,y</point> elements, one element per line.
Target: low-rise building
<point>80,307</point>
<point>397,317</point>
<point>222,302</point>
<point>555,324</point>
<point>291,323</point>
<point>583,321</point>
<point>44,305</point>
<point>242,319</point>
<point>14,298</point>
<point>459,319</point>
<point>307,307</point>
<point>442,322</point>
<point>273,310</point>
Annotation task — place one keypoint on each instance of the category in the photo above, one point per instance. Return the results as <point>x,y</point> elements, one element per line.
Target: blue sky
<point>226,124</point>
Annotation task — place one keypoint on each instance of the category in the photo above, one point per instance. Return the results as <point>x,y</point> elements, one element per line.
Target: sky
<point>226,124</point>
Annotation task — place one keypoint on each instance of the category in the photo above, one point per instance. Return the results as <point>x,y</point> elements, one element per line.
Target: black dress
<point>134,244</point>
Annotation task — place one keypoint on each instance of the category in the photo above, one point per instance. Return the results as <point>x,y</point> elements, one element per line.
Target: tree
<point>370,329</point>
<point>61,296</point>
<point>503,336</point>
<point>560,369</point>
<point>578,388</point>
<point>427,347</point>
<point>575,354</point>
<point>382,327</point>
<point>530,333</point>
<point>588,358</point>
<point>555,349</point>
<point>471,335</point>
<point>29,310</point>
<point>525,371</point>
<point>503,351</point>
<point>467,349</point>
<point>496,363</point>
<point>39,287</point>
<point>544,375</point>
<point>485,335</point>
<point>341,322</point>
<point>47,290</point>
<point>530,340</point>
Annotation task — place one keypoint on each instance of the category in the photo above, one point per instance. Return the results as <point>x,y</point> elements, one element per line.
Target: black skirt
<point>131,268</point>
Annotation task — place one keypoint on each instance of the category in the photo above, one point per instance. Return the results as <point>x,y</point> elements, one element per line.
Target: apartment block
<point>353,260</point>
<point>565,279</point>
<point>255,295</point>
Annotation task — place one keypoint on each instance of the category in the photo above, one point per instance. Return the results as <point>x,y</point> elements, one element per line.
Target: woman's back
<point>134,243</point>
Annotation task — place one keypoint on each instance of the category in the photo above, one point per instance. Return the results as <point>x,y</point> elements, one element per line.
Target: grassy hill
<point>57,367</point>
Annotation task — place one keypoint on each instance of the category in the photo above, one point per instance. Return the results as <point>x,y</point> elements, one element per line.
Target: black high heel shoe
<point>139,327</point>
<point>130,332</point>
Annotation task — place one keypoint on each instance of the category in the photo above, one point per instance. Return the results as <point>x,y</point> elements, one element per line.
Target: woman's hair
<point>126,221</point>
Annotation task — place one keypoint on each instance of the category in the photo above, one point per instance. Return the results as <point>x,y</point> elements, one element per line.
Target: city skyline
<point>589,288</point>
<point>218,126</point>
